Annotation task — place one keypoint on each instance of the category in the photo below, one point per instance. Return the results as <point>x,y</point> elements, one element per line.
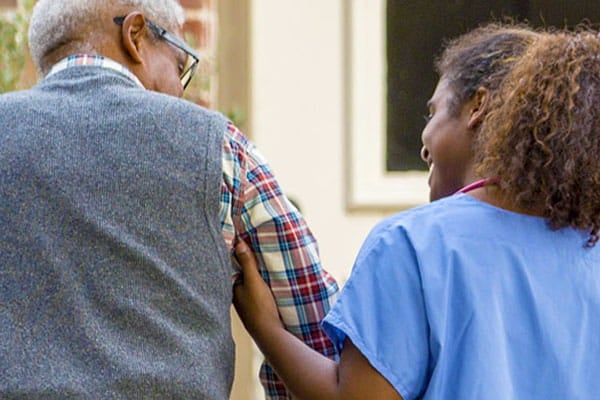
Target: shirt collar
<point>77,60</point>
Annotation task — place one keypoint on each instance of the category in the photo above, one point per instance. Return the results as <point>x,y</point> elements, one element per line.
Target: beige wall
<point>293,60</point>
<point>298,118</point>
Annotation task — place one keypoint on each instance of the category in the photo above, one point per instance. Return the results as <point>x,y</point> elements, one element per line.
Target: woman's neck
<point>492,194</point>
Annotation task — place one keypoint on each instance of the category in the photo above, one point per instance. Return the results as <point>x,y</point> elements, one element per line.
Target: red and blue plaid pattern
<point>255,210</point>
<point>92,60</point>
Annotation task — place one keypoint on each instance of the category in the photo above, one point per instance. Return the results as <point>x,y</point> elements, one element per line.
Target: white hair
<point>55,23</point>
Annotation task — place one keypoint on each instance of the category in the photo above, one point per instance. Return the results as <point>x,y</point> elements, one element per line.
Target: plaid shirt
<point>254,209</point>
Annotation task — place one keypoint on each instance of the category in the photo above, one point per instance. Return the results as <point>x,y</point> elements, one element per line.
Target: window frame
<point>370,185</point>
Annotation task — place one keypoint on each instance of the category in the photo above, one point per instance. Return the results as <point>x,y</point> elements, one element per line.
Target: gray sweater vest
<point>115,282</point>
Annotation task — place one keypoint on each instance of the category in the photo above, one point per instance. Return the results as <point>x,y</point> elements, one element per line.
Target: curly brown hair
<point>481,58</point>
<point>541,137</point>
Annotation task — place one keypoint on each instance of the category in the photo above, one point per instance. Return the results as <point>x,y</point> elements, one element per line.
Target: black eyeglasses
<point>193,58</point>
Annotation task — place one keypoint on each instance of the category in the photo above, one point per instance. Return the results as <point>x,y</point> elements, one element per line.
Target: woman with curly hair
<point>542,137</point>
<point>491,293</point>
<point>471,69</point>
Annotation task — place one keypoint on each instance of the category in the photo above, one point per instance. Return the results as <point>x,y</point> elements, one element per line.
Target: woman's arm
<point>256,210</point>
<point>306,373</point>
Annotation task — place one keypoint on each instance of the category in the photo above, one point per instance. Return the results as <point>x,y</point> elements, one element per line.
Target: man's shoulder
<point>16,95</point>
<point>181,110</point>
<point>17,101</point>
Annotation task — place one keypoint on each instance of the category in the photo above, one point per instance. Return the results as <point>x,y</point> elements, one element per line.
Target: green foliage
<point>13,45</point>
<point>237,116</point>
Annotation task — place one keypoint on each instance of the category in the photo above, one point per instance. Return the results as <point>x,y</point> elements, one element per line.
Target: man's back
<point>114,278</point>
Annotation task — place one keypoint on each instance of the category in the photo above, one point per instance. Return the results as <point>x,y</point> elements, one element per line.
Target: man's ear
<point>133,32</point>
<point>478,106</point>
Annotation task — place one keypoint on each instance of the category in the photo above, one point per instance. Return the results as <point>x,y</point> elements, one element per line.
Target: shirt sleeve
<point>381,309</point>
<point>255,210</point>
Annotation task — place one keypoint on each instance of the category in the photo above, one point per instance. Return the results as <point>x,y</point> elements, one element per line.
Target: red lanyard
<point>478,184</point>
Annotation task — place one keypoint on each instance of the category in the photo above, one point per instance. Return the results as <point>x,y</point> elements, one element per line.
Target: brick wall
<point>200,31</point>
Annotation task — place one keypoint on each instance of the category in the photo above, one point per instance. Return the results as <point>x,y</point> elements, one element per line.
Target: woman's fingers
<point>252,298</point>
<point>246,259</point>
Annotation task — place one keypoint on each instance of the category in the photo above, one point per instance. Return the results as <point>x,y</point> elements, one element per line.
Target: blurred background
<point>331,91</point>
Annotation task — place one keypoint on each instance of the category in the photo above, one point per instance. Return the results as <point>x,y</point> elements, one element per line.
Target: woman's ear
<point>133,32</point>
<point>479,106</point>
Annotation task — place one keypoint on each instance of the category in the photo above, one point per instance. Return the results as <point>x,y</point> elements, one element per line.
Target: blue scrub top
<point>459,299</point>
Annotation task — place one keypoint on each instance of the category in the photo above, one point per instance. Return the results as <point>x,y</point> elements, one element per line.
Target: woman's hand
<point>306,373</point>
<point>252,297</point>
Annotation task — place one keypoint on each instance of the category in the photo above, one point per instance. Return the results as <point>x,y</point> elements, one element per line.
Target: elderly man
<point>115,198</point>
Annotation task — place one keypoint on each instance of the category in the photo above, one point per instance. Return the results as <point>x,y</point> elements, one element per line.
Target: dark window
<point>415,32</point>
